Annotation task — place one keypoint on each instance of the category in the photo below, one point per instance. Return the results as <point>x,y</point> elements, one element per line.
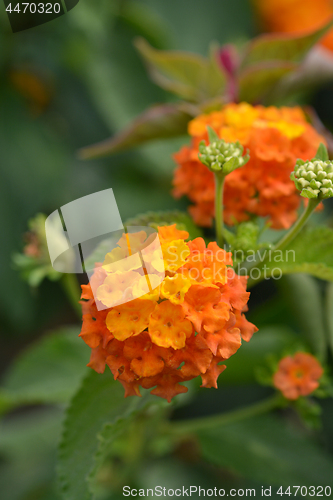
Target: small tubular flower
<point>182,329</point>
<point>274,137</point>
<point>298,375</point>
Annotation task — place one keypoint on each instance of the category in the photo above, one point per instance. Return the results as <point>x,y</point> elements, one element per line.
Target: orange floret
<point>203,306</point>
<point>209,379</point>
<point>130,318</point>
<point>275,138</point>
<point>171,233</point>
<point>180,330</point>
<point>298,375</point>
<point>168,326</point>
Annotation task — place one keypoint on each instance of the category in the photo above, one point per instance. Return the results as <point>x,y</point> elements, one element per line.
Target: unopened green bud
<point>314,178</point>
<point>221,156</point>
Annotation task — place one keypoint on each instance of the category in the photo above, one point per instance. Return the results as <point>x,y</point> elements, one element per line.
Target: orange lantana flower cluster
<point>179,330</point>
<point>298,375</point>
<point>275,138</point>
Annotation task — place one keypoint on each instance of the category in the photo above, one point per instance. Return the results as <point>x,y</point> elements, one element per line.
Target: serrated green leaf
<point>158,122</point>
<point>304,299</point>
<point>127,440</point>
<point>282,47</point>
<point>258,80</point>
<point>100,400</point>
<point>188,75</point>
<point>310,252</point>
<point>106,438</point>
<point>49,371</point>
<point>266,450</point>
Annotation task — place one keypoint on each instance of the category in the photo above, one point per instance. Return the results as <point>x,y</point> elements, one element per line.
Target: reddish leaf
<point>258,80</point>
<point>157,122</point>
<point>188,75</point>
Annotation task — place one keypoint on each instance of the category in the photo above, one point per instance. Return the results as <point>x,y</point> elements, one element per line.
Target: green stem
<point>70,286</point>
<point>197,424</point>
<point>287,238</point>
<point>312,205</point>
<point>219,184</point>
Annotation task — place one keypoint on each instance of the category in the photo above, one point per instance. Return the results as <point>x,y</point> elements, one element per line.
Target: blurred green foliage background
<point>64,85</point>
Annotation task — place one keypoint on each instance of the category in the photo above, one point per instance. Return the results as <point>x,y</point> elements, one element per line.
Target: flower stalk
<point>295,229</point>
<point>214,421</point>
<point>219,187</point>
<point>221,158</point>
<point>286,239</point>
<point>314,179</point>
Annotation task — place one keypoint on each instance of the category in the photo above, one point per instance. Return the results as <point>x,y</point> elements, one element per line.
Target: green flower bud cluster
<point>221,156</point>
<point>314,178</point>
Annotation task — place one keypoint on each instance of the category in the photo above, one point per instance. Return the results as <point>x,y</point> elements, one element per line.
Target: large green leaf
<point>49,371</point>
<point>282,47</point>
<point>267,450</point>
<point>304,298</point>
<point>99,401</point>
<point>310,252</point>
<point>258,80</point>
<point>188,75</point>
<point>158,122</point>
